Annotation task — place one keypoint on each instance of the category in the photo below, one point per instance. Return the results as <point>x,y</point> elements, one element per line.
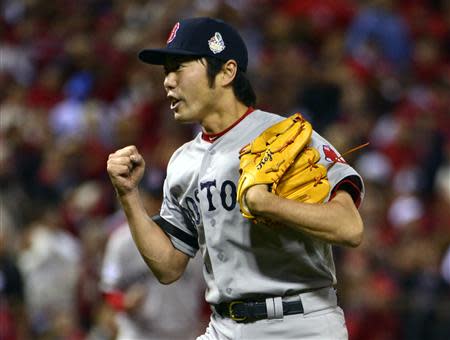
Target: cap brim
<point>158,56</point>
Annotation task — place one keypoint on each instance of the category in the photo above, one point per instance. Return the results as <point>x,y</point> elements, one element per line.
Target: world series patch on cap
<point>201,37</point>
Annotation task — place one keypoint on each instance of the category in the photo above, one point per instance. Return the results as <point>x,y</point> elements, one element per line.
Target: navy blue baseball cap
<point>201,37</point>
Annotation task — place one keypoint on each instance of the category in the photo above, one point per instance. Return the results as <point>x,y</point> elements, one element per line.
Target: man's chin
<point>181,118</point>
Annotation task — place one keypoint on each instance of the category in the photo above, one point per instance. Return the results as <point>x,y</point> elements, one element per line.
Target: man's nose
<point>170,81</point>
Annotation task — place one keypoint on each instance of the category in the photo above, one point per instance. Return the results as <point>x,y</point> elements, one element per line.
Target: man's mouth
<point>174,103</point>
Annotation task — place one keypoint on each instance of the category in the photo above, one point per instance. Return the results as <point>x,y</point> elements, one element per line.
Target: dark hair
<point>242,87</point>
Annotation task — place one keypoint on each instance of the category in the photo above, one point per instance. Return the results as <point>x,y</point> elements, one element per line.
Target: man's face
<point>186,83</point>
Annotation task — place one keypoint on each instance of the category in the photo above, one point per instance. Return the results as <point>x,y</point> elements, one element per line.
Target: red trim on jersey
<point>115,299</point>
<point>356,198</point>
<point>211,137</point>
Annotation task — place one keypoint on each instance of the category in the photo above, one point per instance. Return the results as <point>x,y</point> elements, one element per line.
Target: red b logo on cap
<point>173,33</point>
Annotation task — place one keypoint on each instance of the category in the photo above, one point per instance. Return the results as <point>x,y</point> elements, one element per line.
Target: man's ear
<point>228,73</point>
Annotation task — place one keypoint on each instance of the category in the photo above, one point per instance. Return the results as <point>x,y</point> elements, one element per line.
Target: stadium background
<point>72,91</point>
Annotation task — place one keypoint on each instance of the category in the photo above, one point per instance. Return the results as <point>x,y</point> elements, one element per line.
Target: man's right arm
<point>126,168</point>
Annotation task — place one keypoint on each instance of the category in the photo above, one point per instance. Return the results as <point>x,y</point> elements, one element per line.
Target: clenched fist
<point>125,168</point>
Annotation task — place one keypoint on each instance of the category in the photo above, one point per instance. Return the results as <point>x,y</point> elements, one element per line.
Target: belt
<point>247,311</point>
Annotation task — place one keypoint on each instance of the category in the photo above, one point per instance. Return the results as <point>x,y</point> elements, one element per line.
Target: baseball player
<point>268,262</point>
<point>145,309</point>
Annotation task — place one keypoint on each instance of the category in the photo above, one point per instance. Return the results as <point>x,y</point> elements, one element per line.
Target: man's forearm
<point>337,221</point>
<point>166,262</point>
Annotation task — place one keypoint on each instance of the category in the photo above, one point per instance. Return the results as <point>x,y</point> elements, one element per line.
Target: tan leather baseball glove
<point>283,158</point>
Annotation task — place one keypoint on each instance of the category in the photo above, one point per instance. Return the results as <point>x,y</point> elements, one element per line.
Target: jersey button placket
<point>221,256</point>
<point>210,167</point>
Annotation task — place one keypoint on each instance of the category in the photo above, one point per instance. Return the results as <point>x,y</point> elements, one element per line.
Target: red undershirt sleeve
<point>352,185</point>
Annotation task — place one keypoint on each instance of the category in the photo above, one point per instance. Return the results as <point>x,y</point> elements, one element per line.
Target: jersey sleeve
<point>353,185</point>
<point>341,175</point>
<point>177,224</point>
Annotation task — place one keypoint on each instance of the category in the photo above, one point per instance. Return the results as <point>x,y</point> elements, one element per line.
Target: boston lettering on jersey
<point>191,211</point>
<point>227,194</point>
<point>190,207</point>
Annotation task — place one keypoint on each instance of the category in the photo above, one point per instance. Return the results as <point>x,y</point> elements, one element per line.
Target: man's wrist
<point>130,201</point>
<point>128,195</point>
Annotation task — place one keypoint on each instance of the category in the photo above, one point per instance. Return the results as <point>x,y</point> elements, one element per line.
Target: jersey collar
<point>211,137</point>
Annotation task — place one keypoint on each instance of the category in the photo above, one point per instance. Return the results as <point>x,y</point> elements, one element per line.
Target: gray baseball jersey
<point>243,260</point>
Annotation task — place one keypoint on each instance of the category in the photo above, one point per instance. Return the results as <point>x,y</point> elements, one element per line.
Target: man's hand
<point>125,168</point>
<point>267,158</point>
<point>256,196</point>
<point>135,296</point>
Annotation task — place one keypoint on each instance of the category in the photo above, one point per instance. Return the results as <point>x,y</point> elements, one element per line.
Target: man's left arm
<point>336,221</point>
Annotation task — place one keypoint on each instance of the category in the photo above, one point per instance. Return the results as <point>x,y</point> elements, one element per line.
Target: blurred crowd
<point>73,91</point>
